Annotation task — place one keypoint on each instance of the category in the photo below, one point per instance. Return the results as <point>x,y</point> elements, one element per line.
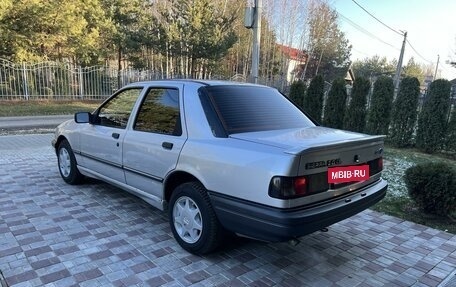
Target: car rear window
<point>252,108</point>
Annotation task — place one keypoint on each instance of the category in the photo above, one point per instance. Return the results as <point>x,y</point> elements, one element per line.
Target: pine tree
<point>355,117</point>
<point>335,105</point>
<point>432,122</point>
<point>313,100</point>
<point>380,111</point>
<point>297,92</point>
<point>405,113</point>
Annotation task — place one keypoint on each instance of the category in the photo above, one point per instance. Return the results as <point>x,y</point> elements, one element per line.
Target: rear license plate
<point>348,173</point>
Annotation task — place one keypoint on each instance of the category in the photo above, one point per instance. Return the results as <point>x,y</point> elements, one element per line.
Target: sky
<point>430,26</point>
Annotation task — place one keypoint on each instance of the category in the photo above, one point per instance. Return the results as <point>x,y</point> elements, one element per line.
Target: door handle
<point>115,135</point>
<point>167,145</point>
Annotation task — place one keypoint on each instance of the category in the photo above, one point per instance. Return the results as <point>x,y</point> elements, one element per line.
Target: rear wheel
<point>67,164</point>
<point>192,219</point>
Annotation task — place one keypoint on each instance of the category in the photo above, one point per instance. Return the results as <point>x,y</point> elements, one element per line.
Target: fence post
<point>24,83</point>
<point>81,84</point>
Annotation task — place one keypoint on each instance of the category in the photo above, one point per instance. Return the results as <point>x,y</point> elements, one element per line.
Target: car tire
<point>192,219</point>
<point>67,164</point>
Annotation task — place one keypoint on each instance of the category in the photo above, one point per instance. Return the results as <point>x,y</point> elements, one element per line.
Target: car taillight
<point>380,164</point>
<point>288,187</point>
<point>300,185</point>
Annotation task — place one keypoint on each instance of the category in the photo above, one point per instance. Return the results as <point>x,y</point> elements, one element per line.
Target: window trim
<point>216,125</point>
<point>179,119</point>
<point>95,114</point>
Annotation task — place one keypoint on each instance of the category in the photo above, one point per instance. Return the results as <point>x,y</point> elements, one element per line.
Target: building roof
<point>293,53</point>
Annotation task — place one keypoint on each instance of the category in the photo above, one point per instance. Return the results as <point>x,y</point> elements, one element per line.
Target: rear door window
<point>159,112</point>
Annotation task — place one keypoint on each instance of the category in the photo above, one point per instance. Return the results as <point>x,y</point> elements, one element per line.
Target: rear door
<point>101,142</point>
<point>152,147</point>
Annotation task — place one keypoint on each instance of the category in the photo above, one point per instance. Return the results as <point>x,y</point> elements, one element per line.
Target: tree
<point>432,122</point>
<point>329,50</point>
<point>51,30</point>
<point>239,57</point>
<point>297,92</point>
<point>414,69</point>
<point>380,111</point>
<point>126,17</point>
<point>404,114</point>
<point>451,133</point>
<point>355,116</point>
<point>288,19</point>
<point>373,67</point>
<point>313,100</point>
<point>335,105</point>
<point>197,33</point>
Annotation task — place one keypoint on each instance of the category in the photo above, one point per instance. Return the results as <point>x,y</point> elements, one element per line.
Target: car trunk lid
<point>323,152</point>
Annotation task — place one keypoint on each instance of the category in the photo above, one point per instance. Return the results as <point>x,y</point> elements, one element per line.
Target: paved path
<point>53,234</point>
<point>18,123</point>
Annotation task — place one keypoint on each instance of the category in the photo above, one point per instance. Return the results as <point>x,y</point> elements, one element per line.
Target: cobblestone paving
<point>53,234</point>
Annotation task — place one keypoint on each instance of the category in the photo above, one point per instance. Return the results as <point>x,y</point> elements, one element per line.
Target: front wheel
<point>67,164</point>
<point>192,219</point>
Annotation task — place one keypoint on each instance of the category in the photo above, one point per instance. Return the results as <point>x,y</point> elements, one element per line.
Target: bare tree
<point>327,47</point>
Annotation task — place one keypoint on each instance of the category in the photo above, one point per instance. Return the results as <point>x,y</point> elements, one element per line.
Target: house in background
<point>349,79</point>
<point>453,93</point>
<point>294,61</point>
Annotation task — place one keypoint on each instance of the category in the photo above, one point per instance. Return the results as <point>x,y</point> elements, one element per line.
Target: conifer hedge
<point>404,115</point>
<point>379,115</point>
<point>313,101</point>
<point>432,122</point>
<point>355,116</point>
<point>335,105</point>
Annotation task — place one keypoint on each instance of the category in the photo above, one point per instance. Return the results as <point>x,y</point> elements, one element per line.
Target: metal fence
<point>65,81</point>
<point>55,80</point>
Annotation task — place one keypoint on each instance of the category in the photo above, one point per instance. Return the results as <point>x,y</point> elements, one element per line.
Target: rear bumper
<point>275,224</point>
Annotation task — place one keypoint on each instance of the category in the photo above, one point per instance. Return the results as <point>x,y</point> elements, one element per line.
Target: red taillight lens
<point>300,185</point>
<point>288,187</point>
<point>380,164</point>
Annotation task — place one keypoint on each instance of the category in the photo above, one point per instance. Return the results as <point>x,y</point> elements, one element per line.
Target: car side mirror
<point>82,117</point>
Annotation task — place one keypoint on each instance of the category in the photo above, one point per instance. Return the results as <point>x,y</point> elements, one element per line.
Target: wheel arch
<point>174,180</point>
<point>58,141</point>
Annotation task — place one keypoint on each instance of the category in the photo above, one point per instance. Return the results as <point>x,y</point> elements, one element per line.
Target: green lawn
<point>397,202</point>
<point>34,108</point>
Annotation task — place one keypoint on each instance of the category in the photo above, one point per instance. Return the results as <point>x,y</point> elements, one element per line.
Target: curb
<point>32,122</point>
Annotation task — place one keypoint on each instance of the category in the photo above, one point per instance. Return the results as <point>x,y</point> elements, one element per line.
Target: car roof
<point>194,81</point>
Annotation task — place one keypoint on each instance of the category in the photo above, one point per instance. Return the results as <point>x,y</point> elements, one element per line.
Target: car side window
<point>116,111</point>
<point>159,112</point>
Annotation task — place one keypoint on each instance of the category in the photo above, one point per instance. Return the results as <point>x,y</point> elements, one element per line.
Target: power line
<point>361,52</point>
<point>361,29</point>
<point>395,31</point>
<point>419,55</point>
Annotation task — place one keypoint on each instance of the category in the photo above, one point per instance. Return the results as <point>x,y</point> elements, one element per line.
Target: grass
<point>42,107</point>
<point>397,201</point>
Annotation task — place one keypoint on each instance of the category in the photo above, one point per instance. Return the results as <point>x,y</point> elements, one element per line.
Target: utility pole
<point>397,78</point>
<point>252,20</point>
<point>436,67</point>
<point>256,40</point>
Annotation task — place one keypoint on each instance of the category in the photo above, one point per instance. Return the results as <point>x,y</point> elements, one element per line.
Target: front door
<point>101,142</point>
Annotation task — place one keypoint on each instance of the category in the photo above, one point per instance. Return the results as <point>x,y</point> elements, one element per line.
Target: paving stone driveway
<point>94,234</point>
